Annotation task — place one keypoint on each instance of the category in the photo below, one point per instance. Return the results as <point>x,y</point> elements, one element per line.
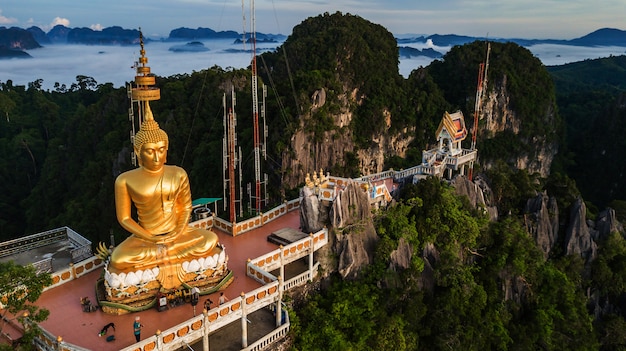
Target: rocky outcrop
<point>355,237</point>
<point>352,236</point>
<point>478,192</point>
<point>17,39</point>
<point>400,258</point>
<point>430,256</point>
<point>108,36</point>
<point>514,288</point>
<point>58,34</point>
<point>39,35</point>
<point>498,116</point>
<point>312,216</point>
<point>541,217</point>
<point>309,151</point>
<point>606,223</point>
<point>6,53</point>
<point>578,236</point>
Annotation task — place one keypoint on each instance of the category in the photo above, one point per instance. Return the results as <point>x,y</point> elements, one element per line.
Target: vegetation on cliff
<point>591,98</point>
<point>483,286</point>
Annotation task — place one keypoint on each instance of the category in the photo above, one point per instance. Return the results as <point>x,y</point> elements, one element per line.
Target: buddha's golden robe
<point>161,236</point>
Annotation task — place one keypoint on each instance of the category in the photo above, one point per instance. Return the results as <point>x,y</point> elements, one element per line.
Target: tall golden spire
<point>144,89</point>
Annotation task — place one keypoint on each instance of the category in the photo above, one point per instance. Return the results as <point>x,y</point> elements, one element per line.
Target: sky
<point>529,19</point>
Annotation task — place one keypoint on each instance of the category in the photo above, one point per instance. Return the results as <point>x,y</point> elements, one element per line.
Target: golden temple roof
<point>454,125</point>
<point>144,89</point>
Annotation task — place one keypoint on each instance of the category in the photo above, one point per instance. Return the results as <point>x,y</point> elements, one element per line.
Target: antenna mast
<point>482,82</point>
<point>231,161</point>
<point>258,197</point>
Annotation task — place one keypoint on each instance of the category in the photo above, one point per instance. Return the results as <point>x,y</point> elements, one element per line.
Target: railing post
<point>205,336</point>
<point>72,270</point>
<point>159,340</point>
<point>279,302</point>
<point>311,251</point>
<point>59,343</point>
<point>244,319</point>
<point>282,262</point>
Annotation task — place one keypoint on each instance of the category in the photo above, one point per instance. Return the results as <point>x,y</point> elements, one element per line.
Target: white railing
<point>270,338</point>
<point>192,330</point>
<point>48,342</point>
<point>257,221</point>
<point>76,239</point>
<point>43,266</point>
<point>33,241</point>
<point>75,271</point>
<point>81,247</point>
<point>381,175</point>
<point>259,268</point>
<point>302,278</point>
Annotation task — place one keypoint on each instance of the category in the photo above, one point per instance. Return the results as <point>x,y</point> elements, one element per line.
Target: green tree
<point>21,287</point>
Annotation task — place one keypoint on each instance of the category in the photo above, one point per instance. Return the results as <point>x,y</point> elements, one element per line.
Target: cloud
<point>96,27</point>
<point>59,20</point>
<point>6,20</point>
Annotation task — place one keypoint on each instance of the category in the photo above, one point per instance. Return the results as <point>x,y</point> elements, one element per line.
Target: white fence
<point>257,221</point>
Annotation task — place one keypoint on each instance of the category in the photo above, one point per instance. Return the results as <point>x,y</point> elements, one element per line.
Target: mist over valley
<point>113,64</point>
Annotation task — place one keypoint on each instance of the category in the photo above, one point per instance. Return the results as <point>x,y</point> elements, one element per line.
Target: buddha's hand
<point>168,238</point>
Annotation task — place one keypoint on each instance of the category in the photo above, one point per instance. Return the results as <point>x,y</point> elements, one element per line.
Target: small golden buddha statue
<point>161,235</point>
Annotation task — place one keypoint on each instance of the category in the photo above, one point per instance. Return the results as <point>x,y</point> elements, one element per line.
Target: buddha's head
<point>151,143</point>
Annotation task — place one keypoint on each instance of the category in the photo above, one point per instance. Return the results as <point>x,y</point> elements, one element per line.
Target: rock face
<point>308,152</point>
<point>499,116</point>
<point>430,255</point>
<point>478,193</point>
<point>401,257</point>
<point>351,219</point>
<point>515,288</point>
<point>17,39</point>
<point>605,224</point>
<point>312,217</point>
<point>542,221</point>
<point>578,236</point>
<point>353,236</point>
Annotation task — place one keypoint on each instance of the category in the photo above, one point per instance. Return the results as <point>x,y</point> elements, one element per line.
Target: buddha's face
<point>153,156</point>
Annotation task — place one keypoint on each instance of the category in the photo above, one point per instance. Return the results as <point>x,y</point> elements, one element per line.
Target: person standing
<point>195,296</point>
<point>222,299</point>
<point>137,328</point>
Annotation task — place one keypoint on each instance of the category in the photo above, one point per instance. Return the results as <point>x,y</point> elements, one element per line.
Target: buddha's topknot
<point>149,132</point>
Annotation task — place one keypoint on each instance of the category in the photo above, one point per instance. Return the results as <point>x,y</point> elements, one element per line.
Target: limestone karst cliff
<point>518,121</point>
<point>353,236</point>
<point>499,117</point>
<point>542,221</point>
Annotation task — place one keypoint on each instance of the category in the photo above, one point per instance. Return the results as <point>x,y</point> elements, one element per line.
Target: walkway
<point>81,328</point>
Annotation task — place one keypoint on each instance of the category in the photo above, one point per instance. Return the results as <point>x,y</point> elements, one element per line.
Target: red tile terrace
<point>255,263</point>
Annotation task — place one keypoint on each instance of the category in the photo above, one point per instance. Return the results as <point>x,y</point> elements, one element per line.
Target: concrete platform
<point>286,236</point>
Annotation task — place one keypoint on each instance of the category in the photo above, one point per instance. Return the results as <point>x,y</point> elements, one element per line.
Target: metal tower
<point>231,160</point>
<point>259,147</point>
<point>482,82</point>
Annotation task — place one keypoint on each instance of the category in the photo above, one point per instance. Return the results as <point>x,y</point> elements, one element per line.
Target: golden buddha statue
<point>161,235</point>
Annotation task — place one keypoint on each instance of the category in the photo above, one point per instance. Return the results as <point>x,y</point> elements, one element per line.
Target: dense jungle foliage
<point>591,98</point>
<point>61,150</point>
<point>459,303</point>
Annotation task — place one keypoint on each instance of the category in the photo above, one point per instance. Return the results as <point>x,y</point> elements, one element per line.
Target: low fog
<point>113,64</point>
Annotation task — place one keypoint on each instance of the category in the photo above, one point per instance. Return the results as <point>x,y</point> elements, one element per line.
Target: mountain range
<point>14,40</point>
